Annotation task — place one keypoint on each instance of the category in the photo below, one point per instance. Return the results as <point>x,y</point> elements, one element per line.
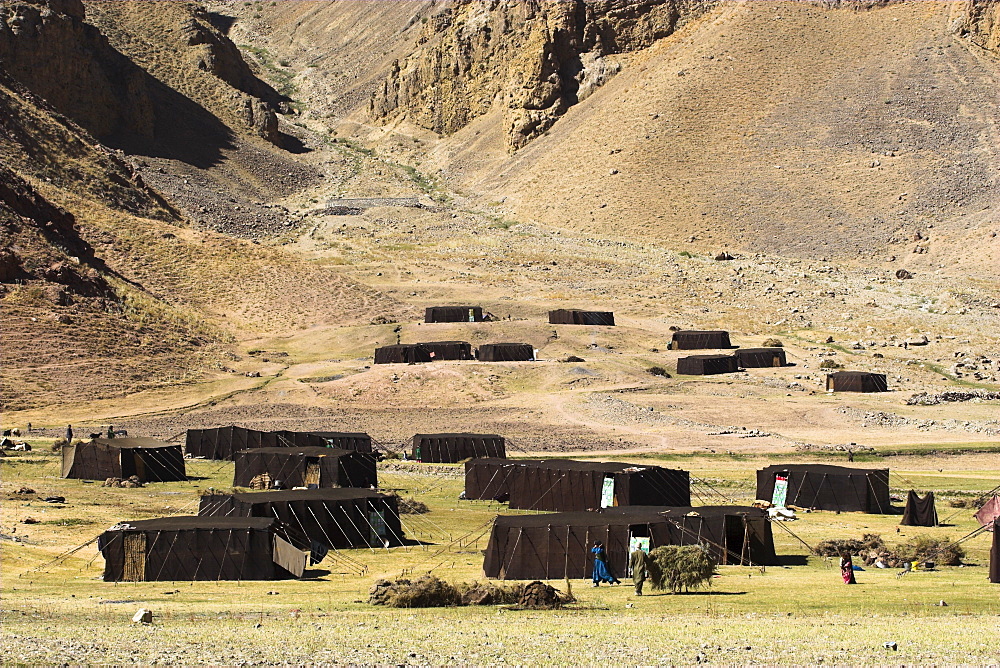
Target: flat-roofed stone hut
<point>554,546</point>
<point>148,459</point>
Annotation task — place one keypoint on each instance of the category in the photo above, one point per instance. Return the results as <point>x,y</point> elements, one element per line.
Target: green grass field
<point>63,612</point>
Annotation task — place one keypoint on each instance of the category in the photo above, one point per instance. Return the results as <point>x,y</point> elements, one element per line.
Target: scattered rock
<point>142,616</point>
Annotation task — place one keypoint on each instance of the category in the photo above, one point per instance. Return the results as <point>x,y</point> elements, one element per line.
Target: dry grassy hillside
<point>780,127</point>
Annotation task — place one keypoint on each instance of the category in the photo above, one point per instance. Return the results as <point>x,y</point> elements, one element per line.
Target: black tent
<point>224,442</point>
<point>553,546</point>
<point>431,351</point>
<point>201,548</point>
<point>453,314</point>
<point>505,352</point>
<point>691,339</point>
<point>920,512</point>
<point>486,478</point>
<point>146,458</point>
<point>995,553</point>
<point>450,448</point>
<point>825,487</point>
<point>403,353</point>
<point>336,518</point>
<point>706,365</point>
<point>263,468</point>
<point>568,485</point>
<point>754,358</point>
<point>573,317</point>
<point>856,381</point>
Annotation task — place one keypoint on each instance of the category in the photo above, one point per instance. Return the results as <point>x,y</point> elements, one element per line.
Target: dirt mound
<point>540,596</point>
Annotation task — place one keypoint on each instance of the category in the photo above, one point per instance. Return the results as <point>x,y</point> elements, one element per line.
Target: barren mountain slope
<point>784,127</point>
<point>331,54</point>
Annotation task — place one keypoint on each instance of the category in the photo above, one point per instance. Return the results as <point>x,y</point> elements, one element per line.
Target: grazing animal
<point>15,432</point>
<point>93,436</point>
<point>6,432</point>
<point>121,432</point>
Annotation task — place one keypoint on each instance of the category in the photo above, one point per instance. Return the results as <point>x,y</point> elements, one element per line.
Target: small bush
<point>658,371</point>
<point>773,343</point>
<point>962,503</point>
<point>680,568</point>
<point>410,506</point>
<point>927,548</point>
<point>830,364</point>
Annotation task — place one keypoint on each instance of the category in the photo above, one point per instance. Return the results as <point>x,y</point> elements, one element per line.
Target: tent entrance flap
<point>134,565</point>
<point>608,492</point>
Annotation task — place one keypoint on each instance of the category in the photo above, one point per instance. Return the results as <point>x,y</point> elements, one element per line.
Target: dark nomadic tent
<point>995,554</point>
<point>989,512</point>
<point>263,468</point>
<point>412,353</point>
<point>102,458</point>
<point>453,314</point>
<point>920,512</point>
<point>568,485</point>
<point>572,317</point>
<point>505,352</point>
<point>403,353</point>
<point>450,448</point>
<point>224,442</point>
<point>201,548</point>
<point>336,518</point>
<point>755,358</point>
<point>856,381</point>
<point>553,546</point>
<point>706,365</point>
<point>825,487</point>
<point>698,340</point>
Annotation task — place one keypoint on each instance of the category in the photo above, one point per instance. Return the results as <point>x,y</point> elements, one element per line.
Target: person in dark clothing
<point>69,434</point>
<point>639,563</point>
<point>847,569</point>
<point>111,431</point>
<point>601,571</point>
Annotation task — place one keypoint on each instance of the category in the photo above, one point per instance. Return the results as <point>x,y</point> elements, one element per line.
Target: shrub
<point>829,364</point>
<point>928,548</point>
<point>658,371</point>
<point>410,506</point>
<point>773,343</point>
<point>680,567</point>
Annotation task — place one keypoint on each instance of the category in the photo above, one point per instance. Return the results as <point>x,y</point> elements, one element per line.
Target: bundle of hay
<point>488,593</point>
<point>540,596</point>
<point>680,568</point>
<point>427,591</point>
<point>130,482</point>
<point>871,549</point>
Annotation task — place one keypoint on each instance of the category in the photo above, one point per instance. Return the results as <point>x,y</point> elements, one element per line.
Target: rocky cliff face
<point>980,21</point>
<point>49,46</point>
<point>534,58</point>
